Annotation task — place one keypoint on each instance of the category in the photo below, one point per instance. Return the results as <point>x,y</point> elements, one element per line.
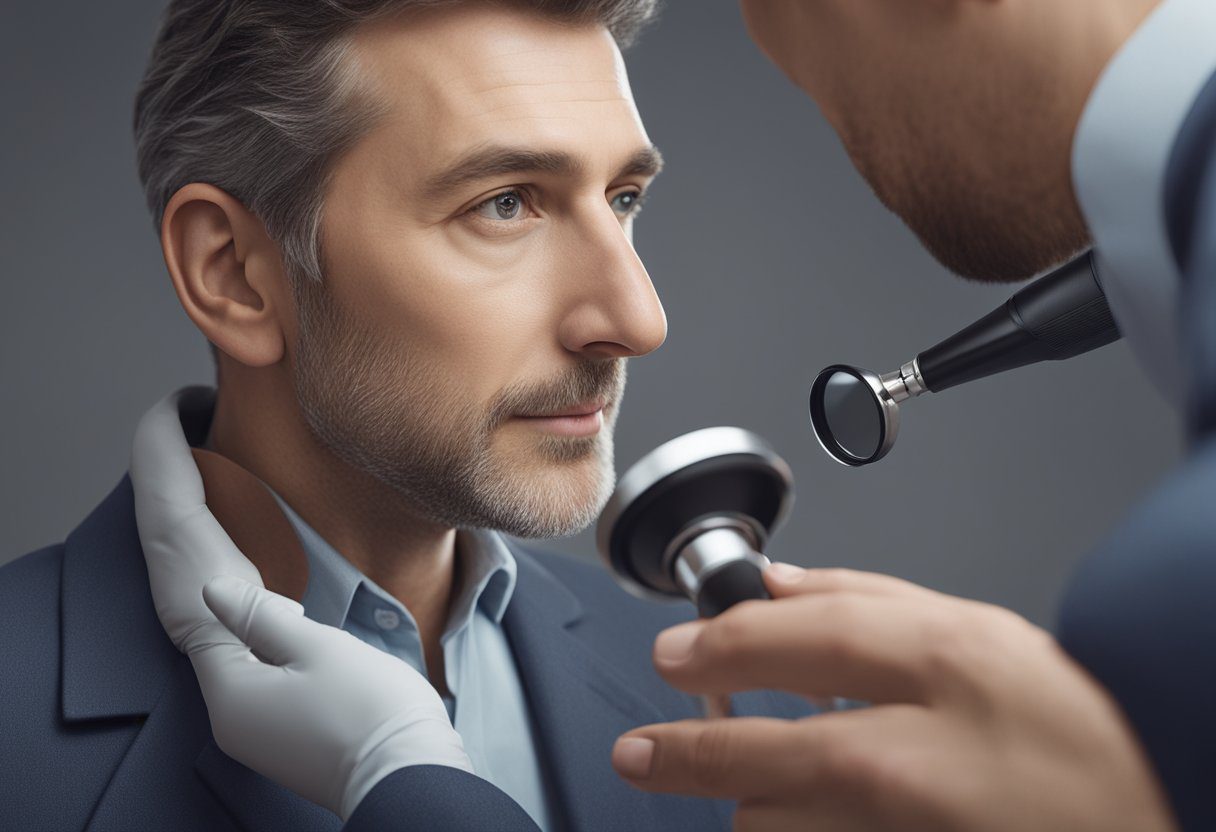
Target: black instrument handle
<point>1059,316</point>
<point>733,583</point>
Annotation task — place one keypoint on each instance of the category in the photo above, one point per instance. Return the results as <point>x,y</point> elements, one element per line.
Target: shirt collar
<point>487,578</point>
<point>332,579</point>
<point>488,575</point>
<point>1120,155</point>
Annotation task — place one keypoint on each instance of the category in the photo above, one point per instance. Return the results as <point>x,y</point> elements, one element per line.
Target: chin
<point>549,514</point>
<point>993,240</point>
<point>997,260</point>
<point>989,230</point>
<point>569,450</point>
<point>538,496</point>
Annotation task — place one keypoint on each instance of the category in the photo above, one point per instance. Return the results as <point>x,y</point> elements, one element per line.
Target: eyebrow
<point>495,161</point>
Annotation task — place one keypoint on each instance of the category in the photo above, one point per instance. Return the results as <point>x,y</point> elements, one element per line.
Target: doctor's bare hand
<point>979,721</point>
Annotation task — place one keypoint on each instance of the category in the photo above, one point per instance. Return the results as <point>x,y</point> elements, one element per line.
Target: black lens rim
<point>887,423</point>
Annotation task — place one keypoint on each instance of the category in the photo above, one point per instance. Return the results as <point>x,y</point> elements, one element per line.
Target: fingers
<point>812,760</point>
<point>870,647</point>
<point>785,579</point>
<point>272,625</point>
<point>737,758</point>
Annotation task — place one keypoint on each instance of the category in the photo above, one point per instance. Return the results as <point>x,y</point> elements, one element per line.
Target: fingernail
<point>675,645</point>
<point>631,757</point>
<point>786,573</point>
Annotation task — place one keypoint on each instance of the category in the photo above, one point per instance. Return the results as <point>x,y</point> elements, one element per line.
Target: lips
<point>584,409</point>
<point>578,421</point>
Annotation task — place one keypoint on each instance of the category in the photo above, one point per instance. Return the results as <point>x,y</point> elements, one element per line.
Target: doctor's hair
<point>258,97</point>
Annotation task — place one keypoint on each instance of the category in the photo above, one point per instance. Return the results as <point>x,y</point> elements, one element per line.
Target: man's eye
<point>629,202</point>
<point>504,206</point>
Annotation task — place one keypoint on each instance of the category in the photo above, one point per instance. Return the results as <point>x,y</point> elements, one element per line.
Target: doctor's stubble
<point>960,117</point>
<point>402,420</point>
<point>986,221</point>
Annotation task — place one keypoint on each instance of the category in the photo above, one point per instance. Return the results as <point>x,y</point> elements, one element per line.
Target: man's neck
<point>259,427</point>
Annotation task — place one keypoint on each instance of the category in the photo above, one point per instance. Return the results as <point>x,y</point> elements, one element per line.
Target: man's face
<point>959,114</point>
<point>481,292</point>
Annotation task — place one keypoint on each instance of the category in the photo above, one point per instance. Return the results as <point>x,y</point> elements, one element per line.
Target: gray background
<point>770,254</point>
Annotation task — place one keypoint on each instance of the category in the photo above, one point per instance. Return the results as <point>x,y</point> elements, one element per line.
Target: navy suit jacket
<point>1141,612</point>
<point>104,728</point>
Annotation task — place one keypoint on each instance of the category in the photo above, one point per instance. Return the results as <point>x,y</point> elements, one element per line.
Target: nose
<point>613,310</point>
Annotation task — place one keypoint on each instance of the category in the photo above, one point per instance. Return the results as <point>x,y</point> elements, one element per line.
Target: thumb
<point>271,624</point>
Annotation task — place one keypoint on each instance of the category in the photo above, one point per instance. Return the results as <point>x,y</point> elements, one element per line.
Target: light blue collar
<point>1120,155</point>
<point>487,575</point>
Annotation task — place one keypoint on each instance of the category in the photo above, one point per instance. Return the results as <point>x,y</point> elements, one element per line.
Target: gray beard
<point>438,454</point>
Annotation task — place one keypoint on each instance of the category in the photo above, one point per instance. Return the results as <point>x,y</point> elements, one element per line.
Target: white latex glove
<point>329,716</point>
<point>324,714</point>
<point>184,545</point>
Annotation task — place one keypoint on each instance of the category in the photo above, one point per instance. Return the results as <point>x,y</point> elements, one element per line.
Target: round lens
<point>853,415</point>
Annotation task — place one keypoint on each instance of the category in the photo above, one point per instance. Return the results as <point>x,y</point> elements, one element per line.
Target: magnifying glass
<point>855,412</point>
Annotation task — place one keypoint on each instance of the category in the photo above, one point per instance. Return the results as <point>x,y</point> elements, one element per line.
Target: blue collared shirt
<point>488,706</point>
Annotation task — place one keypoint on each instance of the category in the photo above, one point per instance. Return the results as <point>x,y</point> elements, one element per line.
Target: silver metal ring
<point>677,454</point>
<point>746,527</point>
<point>709,552</point>
<point>887,403</point>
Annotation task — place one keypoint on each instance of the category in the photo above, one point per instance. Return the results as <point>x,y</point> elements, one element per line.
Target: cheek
<point>479,316</point>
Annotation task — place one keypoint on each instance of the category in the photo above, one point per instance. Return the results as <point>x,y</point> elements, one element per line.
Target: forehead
<point>458,77</point>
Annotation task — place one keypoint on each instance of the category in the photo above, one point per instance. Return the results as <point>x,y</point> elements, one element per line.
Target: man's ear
<point>228,274</point>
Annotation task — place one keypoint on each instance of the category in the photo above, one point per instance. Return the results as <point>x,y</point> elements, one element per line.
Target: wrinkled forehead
<point>458,77</point>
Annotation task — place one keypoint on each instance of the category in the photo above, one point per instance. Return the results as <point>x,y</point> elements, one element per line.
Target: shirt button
<point>386,619</point>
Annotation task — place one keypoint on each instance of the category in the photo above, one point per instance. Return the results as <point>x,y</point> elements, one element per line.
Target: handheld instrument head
<point>692,517</point>
<point>855,413</point>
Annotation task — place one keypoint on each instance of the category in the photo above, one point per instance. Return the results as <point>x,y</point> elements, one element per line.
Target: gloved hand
<point>184,545</point>
<point>327,716</point>
<point>324,714</point>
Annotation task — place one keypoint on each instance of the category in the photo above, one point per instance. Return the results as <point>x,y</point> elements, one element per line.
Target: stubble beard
<point>394,417</point>
<point>990,226</point>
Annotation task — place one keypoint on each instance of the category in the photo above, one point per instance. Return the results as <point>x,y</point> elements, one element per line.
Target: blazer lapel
<point>258,803</point>
<point>118,664</point>
<point>116,656</point>
<point>155,786</point>
<point>580,706</point>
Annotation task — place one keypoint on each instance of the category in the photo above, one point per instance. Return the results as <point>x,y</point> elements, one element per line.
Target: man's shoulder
<point>26,582</point>
<point>78,614</point>
<point>1138,615</point>
<point>1190,158</point>
<point>61,769</point>
<point>1156,572</point>
<point>29,620</point>
<point>39,592</point>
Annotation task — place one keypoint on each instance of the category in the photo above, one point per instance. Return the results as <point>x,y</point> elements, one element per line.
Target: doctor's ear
<point>228,273</point>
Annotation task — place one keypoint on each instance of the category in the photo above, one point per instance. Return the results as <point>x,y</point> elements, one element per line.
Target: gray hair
<point>256,98</point>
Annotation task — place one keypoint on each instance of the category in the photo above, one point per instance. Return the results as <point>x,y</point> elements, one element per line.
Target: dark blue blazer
<point>102,726</point>
<point>1141,611</point>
